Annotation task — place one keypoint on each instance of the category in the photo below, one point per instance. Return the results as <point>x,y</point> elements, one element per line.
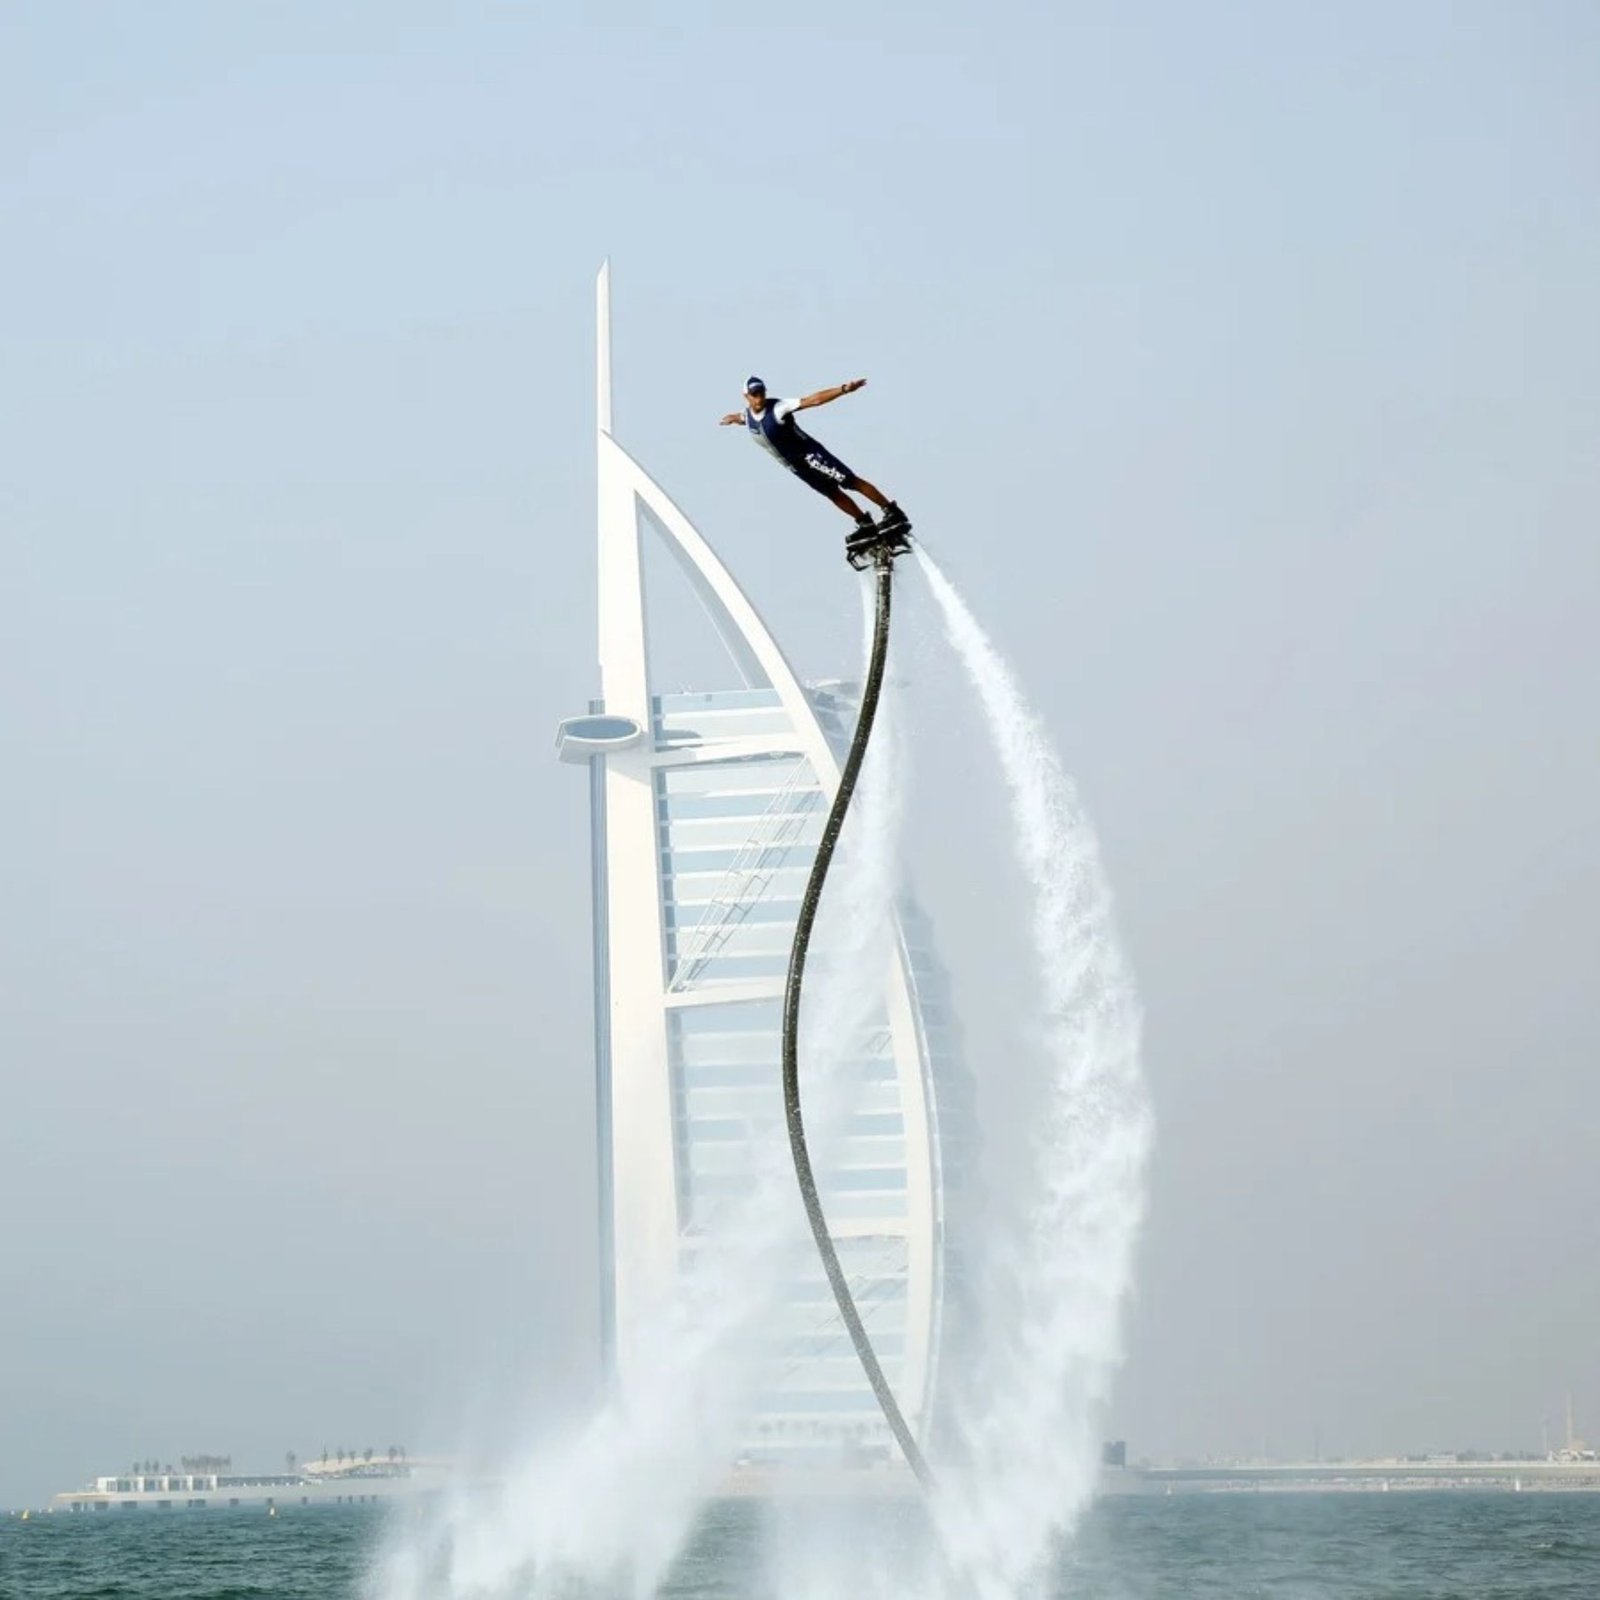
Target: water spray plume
<point>1025,1444</point>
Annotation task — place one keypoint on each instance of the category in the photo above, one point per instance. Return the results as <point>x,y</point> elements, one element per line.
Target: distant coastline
<point>209,1484</point>
<point>341,1481</point>
<point>1377,1475</point>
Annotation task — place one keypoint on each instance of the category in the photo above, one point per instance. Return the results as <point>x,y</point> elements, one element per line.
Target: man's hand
<point>823,396</point>
<point>732,418</point>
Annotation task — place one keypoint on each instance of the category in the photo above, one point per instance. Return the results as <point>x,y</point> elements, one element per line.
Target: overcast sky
<point>1239,361</point>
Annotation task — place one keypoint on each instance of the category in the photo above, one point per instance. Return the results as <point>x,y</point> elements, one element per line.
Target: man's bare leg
<point>875,495</point>
<point>848,506</point>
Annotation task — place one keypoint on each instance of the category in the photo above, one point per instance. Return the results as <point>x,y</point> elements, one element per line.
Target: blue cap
<point>754,386</point>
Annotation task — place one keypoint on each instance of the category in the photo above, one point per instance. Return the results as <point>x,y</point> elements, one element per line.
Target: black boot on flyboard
<point>891,535</point>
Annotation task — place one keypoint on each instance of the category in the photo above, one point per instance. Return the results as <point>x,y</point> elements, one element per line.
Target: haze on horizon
<point>1240,367</point>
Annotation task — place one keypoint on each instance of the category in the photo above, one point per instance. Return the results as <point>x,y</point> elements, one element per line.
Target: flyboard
<point>875,546</point>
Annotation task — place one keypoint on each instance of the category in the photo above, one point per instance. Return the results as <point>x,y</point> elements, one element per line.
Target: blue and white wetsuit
<point>776,431</point>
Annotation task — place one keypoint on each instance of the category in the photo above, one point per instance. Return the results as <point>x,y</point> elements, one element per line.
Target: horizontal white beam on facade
<point>696,887</point>
<point>870,1227</point>
<point>687,835</point>
<point>746,939</point>
<point>721,994</point>
<point>726,750</point>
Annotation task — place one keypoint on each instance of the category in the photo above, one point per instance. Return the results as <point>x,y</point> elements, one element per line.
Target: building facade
<point>706,811</point>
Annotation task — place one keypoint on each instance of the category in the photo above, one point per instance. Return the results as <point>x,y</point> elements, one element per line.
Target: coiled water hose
<point>883,565</point>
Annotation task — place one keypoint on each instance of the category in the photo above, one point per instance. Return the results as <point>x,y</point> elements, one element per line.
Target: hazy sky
<point>1240,363</point>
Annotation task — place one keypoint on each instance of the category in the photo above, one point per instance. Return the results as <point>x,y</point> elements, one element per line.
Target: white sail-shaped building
<point>706,810</point>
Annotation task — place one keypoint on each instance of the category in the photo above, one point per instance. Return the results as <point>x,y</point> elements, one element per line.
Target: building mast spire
<point>602,347</point>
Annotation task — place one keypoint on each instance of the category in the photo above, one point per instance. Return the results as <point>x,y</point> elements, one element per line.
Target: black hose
<point>883,563</point>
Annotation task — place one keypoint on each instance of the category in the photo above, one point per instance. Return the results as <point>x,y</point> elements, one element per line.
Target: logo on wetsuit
<point>826,468</point>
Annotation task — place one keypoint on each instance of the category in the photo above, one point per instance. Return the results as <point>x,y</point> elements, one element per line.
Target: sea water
<point>1302,1546</point>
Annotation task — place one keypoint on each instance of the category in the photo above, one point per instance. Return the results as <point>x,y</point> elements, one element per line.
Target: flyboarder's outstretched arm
<point>731,419</point>
<point>823,396</point>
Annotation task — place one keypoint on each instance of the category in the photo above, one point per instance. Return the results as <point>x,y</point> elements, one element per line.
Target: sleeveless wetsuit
<point>776,431</point>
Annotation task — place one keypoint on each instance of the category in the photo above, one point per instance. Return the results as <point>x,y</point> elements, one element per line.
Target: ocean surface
<point>1284,1546</point>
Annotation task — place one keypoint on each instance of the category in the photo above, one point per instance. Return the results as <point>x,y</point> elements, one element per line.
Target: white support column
<point>644,1179</point>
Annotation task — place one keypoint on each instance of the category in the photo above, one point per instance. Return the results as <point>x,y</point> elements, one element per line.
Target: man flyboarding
<point>771,424</point>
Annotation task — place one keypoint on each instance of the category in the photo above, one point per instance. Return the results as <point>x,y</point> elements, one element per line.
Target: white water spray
<point>1026,1442</point>
<point>609,1507</point>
